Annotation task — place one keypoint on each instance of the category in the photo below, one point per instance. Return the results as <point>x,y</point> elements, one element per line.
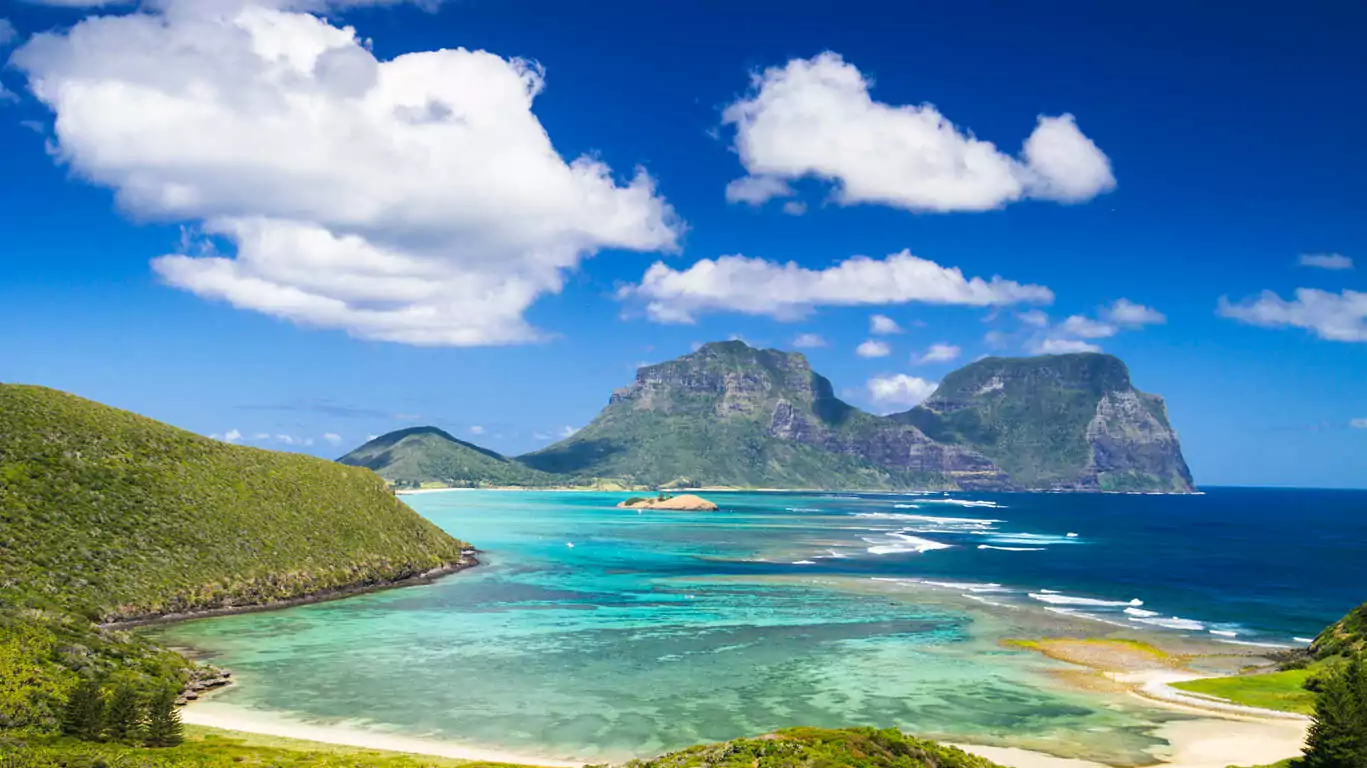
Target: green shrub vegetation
<point>821,748</point>
<point>107,515</point>
<point>1338,731</point>
<point>208,748</point>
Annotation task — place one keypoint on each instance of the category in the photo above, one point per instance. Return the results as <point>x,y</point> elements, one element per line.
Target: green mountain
<point>732,415</point>
<point>1057,421</point>
<point>412,457</point>
<point>107,515</point>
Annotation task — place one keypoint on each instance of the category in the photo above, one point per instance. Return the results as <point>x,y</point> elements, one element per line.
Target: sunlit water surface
<point>598,633</point>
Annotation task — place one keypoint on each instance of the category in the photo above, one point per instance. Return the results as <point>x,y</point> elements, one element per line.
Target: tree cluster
<point>122,713</point>
<point>1338,732</point>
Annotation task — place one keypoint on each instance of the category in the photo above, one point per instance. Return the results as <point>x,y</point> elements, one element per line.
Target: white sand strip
<point>234,719</point>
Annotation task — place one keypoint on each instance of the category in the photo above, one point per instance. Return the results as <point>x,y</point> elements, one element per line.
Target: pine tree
<point>163,721</point>
<point>123,718</point>
<point>1338,730</point>
<point>83,716</point>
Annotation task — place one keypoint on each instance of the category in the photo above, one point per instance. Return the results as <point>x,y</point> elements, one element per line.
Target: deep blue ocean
<point>597,633</point>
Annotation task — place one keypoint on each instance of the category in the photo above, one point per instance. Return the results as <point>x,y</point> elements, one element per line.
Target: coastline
<point>734,489</point>
<point>426,577</point>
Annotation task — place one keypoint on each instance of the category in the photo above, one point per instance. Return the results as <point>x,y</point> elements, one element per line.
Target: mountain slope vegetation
<point>729,414</point>
<point>1057,421</point>
<point>106,515</point>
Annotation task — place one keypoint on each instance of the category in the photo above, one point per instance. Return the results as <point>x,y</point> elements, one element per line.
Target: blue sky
<point>242,219</point>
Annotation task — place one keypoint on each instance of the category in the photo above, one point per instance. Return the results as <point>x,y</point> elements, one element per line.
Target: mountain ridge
<point>731,415</point>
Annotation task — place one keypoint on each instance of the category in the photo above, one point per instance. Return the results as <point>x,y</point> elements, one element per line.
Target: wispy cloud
<point>808,341</point>
<point>332,408</point>
<point>1332,261</point>
<point>940,353</point>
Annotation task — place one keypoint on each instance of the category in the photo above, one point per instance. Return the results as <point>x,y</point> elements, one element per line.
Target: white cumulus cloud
<point>808,341</point>
<point>567,431</point>
<point>1332,316</point>
<point>788,291</point>
<point>414,200</point>
<point>476,430</point>
<point>332,438</point>
<point>882,325</point>
<point>815,118</point>
<point>1035,317</point>
<point>898,391</point>
<point>940,353</point>
<point>871,348</point>
<point>1334,261</point>
<point>7,32</point>
<point>231,436</point>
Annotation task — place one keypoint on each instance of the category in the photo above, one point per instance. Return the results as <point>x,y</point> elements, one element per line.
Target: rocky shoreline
<point>468,560</point>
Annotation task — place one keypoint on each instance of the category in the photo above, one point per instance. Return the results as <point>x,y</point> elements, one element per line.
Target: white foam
<point>1140,612</point>
<point>1054,598</point>
<point>906,506</point>
<point>1223,633</point>
<point>1072,535</point>
<point>1173,622</point>
<point>1011,549</point>
<point>967,585</point>
<point>1048,591</point>
<point>964,503</point>
<point>801,509</point>
<point>979,522</point>
<point>903,543</point>
<point>804,562</point>
<point>1306,640</point>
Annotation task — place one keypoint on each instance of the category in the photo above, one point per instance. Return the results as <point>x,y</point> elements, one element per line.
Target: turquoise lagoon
<point>596,633</point>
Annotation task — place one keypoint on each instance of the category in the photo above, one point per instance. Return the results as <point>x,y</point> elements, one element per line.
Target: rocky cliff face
<point>1058,422</point>
<point>730,414</point>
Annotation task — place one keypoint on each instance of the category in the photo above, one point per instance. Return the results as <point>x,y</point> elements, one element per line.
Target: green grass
<point>1281,691</point>
<point>107,515</point>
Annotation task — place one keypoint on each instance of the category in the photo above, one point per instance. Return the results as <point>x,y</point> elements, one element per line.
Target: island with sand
<point>685,502</point>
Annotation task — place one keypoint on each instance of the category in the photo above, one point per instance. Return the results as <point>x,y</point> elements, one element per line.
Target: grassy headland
<point>107,516</point>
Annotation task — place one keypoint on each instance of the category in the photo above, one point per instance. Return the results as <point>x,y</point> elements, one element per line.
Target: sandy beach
<point>1208,742</point>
